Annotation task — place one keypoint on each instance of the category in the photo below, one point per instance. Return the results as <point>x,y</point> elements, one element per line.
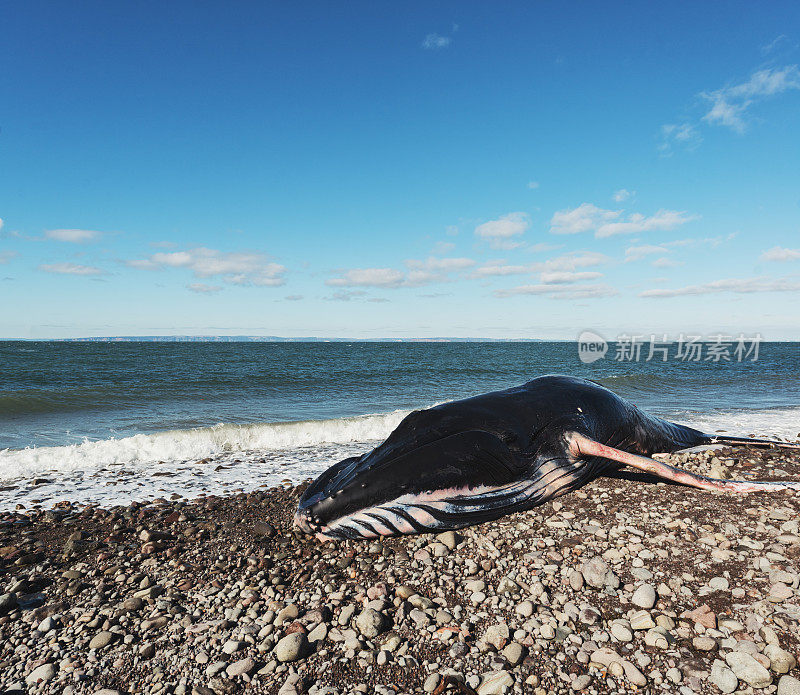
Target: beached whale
<point>474,460</point>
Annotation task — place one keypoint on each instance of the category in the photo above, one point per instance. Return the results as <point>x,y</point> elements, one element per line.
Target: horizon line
<point>338,339</point>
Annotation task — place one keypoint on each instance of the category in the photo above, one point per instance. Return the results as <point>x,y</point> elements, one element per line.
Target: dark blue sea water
<point>72,410</point>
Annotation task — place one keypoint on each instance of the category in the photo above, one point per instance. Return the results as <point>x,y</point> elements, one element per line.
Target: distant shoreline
<point>308,339</point>
<point>271,339</point>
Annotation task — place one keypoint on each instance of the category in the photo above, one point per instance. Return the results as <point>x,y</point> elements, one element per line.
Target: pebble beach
<point>623,586</point>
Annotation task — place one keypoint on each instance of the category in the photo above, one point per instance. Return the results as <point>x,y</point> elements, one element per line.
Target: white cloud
<point>73,236</point>
<point>420,273</point>
<point>575,259</point>
<point>583,218</point>
<point>622,194</point>
<point>683,135</point>
<point>559,277</point>
<point>772,45</point>
<point>506,244</point>
<point>636,253</point>
<point>560,292</point>
<point>500,269</point>
<point>345,295</point>
<point>236,268</point>
<point>737,285</point>
<point>710,241</point>
<point>433,42</point>
<point>441,264</point>
<point>202,288</point>
<point>567,262</point>
<point>500,233</point>
<point>533,185</point>
<point>1,222</point>
<point>661,221</point>
<point>778,253</point>
<point>71,269</point>
<point>563,277</point>
<point>418,278</point>
<point>542,246</point>
<point>605,223</point>
<point>665,262</point>
<point>368,277</point>
<point>729,104</point>
<point>6,256</point>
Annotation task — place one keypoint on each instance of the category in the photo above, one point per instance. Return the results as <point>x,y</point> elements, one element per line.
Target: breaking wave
<point>194,444</point>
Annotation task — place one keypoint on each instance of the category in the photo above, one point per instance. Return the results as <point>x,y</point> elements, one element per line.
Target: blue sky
<point>422,169</point>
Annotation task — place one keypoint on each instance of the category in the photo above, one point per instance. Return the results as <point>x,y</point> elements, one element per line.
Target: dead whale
<point>474,460</point>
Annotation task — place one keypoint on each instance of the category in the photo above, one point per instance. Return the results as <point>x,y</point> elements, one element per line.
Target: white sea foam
<point>188,445</point>
<point>783,423</point>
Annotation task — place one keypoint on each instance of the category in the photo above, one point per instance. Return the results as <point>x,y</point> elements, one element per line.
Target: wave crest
<point>194,444</point>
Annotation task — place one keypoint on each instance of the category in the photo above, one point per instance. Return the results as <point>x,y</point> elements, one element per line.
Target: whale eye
<point>363,485</point>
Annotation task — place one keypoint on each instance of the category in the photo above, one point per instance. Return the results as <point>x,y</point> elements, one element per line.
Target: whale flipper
<point>584,447</point>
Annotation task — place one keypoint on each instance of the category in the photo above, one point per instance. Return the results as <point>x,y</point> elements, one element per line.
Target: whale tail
<point>581,446</point>
<point>748,441</point>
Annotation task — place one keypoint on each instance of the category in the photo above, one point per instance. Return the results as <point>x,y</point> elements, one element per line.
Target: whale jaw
<point>428,512</point>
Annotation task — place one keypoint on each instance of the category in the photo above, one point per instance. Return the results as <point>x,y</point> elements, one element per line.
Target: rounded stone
<point>621,633</point>
<point>292,647</point>
<point>47,624</point>
<point>644,596</point>
<point>431,682</point>
<point>547,632</point>
<point>704,644</point>
<point>238,668</point>
<point>43,674</point>
<point>495,683</point>
<point>788,685</point>
<point>525,609</point>
<point>723,677</point>
<point>231,646</point>
<point>594,572</point>
<point>101,639</point>
<point>746,668</point>
<point>719,583</point>
<point>780,660</point>
<point>581,682</point>
<point>674,675</point>
<point>370,623</point>
<point>8,602</point>
<point>514,653</point>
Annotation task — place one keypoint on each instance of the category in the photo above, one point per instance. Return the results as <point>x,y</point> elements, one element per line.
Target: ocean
<point>108,422</point>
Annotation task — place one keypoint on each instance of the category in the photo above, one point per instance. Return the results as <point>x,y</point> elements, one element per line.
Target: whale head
<point>414,486</point>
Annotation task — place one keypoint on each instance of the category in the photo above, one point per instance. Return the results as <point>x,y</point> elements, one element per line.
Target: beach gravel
<point>622,586</point>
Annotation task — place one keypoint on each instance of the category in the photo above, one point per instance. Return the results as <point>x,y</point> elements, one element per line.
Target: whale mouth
<point>447,468</point>
<point>439,510</point>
